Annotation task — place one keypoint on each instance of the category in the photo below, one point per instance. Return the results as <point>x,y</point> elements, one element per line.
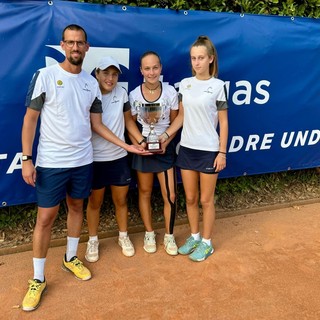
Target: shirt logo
<point>60,84</point>
<point>115,99</point>
<point>209,90</point>
<point>86,88</point>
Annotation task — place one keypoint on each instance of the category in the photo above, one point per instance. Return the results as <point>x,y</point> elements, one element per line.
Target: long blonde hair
<point>212,51</point>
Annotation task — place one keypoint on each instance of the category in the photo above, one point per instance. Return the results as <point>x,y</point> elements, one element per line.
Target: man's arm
<point>28,133</point>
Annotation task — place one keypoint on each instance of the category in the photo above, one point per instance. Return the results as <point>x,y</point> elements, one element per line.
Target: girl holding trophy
<point>111,167</point>
<point>154,105</point>
<point>202,153</point>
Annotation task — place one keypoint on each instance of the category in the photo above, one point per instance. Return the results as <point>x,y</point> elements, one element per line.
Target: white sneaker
<point>92,253</point>
<point>150,243</point>
<point>127,246</point>
<point>170,245</point>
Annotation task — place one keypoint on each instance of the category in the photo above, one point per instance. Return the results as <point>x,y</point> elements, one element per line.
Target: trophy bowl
<point>151,113</point>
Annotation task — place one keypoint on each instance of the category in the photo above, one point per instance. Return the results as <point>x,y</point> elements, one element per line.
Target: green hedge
<point>12,216</point>
<point>231,194</point>
<point>304,8</point>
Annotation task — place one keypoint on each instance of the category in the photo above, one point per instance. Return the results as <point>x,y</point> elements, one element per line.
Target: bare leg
<point>42,230</point>
<point>145,185</point>
<point>168,190</point>
<point>207,189</point>
<point>190,181</point>
<point>75,216</point>
<point>119,198</point>
<point>93,210</point>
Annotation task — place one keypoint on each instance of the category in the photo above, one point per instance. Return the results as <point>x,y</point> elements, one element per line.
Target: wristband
<point>142,141</point>
<point>166,133</point>
<point>222,152</point>
<point>222,155</point>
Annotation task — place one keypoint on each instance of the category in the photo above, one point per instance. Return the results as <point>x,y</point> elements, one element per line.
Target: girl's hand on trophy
<point>164,137</point>
<point>138,150</point>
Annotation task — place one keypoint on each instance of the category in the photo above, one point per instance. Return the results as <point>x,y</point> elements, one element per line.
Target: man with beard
<point>68,100</point>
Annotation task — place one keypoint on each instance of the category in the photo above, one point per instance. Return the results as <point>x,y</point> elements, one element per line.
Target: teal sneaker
<point>202,252</point>
<point>189,246</point>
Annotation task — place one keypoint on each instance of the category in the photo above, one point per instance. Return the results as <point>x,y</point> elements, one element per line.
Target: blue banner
<point>270,64</point>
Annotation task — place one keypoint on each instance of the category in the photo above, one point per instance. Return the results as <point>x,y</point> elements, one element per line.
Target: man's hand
<point>29,174</point>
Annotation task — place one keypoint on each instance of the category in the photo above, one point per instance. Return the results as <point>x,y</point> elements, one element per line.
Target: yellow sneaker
<point>77,268</point>
<point>32,299</point>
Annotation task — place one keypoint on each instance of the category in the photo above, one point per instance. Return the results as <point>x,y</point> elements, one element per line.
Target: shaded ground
<point>266,266</point>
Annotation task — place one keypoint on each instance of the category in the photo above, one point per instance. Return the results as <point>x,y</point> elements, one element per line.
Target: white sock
<point>168,235</point>
<point>123,234</point>
<point>72,247</point>
<point>207,241</point>
<point>93,238</point>
<point>196,236</point>
<point>150,233</point>
<point>38,268</point>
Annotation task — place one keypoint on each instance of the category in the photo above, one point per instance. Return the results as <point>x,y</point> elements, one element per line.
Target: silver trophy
<point>151,113</point>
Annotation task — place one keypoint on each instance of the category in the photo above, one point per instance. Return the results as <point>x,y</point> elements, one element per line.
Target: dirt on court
<point>266,266</point>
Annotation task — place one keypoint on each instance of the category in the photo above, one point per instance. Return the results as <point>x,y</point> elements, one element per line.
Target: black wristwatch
<point>26,158</point>
<point>142,141</point>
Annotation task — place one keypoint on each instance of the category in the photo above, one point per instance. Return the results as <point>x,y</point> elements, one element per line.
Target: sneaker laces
<point>93,246</point>
<point>203,246</point>
<point>170,241</point>
<point>149,238</point>
<point>191,241</point>
<point>34,286</point>
<point>76,262</point>
<point>125,241</point>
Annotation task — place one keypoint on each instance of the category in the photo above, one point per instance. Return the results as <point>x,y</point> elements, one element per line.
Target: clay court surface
<point>266,266</point>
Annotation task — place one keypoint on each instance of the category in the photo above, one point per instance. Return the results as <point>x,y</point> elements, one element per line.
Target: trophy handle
<point>164,106</point>
<point>137,105</point>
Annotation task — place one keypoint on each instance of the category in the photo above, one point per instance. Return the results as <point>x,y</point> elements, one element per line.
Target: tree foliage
<point>303,8</point>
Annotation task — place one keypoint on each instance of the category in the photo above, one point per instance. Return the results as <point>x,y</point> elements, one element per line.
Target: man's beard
<point>74,61</point>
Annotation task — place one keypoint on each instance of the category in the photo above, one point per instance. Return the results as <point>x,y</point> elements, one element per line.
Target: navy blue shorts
<point>196,160</point>
<point>111,173</point>
<point>157,162</point>
<point>53,184</point>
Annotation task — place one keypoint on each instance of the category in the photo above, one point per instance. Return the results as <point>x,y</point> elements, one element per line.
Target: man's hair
<point>74,27</point>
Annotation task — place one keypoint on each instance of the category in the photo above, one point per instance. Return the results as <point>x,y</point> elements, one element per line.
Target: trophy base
<point>154,147</point>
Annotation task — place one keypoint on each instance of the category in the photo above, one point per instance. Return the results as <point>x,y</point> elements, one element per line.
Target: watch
<point>26,158</point>
<point>142,141</point>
